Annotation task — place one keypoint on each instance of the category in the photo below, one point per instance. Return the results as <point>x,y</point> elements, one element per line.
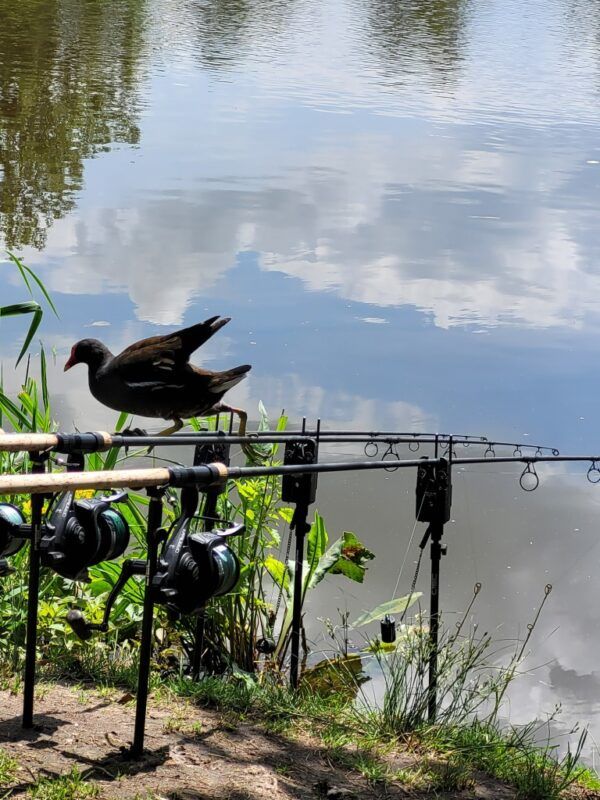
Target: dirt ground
<point>192,753</point>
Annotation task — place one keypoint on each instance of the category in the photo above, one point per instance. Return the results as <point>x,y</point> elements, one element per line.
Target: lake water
<point>396,203</point>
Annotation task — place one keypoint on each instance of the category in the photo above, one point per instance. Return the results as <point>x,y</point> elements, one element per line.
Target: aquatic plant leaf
<point>324,566</point>
<point>16,309</point>
<point>44,378</point>
<point>279,572</point>
<point>35,324</point>
<point>353,556</point>
<point>25,271</point>
<point>396,606</point>
<point>316,541</point>
<point>18,420</point>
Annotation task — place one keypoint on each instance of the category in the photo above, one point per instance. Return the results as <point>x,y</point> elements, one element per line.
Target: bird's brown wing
<point>161,357</point>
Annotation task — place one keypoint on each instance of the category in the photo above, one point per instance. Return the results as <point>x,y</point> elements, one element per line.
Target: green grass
<point>8,769</point>
<point>71,786</point>
<point>447,755</point>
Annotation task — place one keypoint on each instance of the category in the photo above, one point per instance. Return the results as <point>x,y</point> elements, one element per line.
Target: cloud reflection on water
<point>459,229</point>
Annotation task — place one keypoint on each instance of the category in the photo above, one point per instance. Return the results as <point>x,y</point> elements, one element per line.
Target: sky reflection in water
<point>396,203</point>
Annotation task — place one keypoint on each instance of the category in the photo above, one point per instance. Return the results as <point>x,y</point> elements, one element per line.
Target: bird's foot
<point>131,432</point>
<point>254,452</point>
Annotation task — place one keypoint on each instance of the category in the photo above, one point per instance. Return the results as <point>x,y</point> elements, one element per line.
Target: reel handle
<point>235,530</point>
<point>84,629</point>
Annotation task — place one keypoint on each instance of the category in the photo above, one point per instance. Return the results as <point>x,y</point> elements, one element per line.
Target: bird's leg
<point>251,451</point>
<point>243,415</point>
<point>176,426</point>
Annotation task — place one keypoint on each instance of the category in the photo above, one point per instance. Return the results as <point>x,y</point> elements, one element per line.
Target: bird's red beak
<point>71,362</point>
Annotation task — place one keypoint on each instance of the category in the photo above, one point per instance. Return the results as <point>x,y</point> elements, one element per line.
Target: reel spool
<point>12,524</point>
<point>195,567</point>
<point>81,533</point>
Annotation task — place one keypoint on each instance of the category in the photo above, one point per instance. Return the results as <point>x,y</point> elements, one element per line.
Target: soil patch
<point>192,753</point>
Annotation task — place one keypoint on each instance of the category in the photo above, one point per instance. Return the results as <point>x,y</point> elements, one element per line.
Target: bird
<point>154,377</point>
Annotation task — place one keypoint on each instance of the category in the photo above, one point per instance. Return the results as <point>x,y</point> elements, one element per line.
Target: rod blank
<point>203,475</point>
<point>101,440</point>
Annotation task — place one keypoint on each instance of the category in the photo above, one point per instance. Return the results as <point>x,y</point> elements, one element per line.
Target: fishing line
<point>406,552</point>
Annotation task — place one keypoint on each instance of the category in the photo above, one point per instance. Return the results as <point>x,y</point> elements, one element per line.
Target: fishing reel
<point>194,567</point>
<point>12,538</point>
<point>81,533</point>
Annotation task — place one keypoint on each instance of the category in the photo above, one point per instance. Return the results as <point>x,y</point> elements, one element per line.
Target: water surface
<point>397,205</point>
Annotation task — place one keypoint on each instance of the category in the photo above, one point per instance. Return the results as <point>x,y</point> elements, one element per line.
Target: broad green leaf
<point>316,541</point>
<point>324,565</point>
<point>396,606</point>
<point>352,558</point>
<point>348,568</point>
<point>279,572</point>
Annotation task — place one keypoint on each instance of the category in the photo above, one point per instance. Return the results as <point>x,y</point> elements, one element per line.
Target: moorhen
<point>154,378</point>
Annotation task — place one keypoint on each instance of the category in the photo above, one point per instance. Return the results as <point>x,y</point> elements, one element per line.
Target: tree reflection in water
<point>69,73</point>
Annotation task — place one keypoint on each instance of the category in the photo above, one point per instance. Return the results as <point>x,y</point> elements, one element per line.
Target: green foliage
<point>29,307</point>
<point>346,556</point>
<point>397,606</point>
<point>233,622</point>
<point>8,769</point>
<point>447,754</point>
<point>71,786</point>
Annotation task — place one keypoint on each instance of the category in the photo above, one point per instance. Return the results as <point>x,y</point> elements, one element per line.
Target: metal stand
<point>153,538</point>
<point>301,489</point>
<point>33,588</point>
<point>434,500</point>
<point>301,527</point>
<point>437,550</point>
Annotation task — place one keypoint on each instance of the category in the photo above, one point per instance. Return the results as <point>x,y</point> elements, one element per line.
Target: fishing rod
<point>204,475</point>
<point>101,440</point>
<point>209,474</point>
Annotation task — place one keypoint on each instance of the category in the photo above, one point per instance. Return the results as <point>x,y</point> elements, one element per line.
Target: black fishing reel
<point>194,567</point>
<point>12,528</point>
<point>81,533</point>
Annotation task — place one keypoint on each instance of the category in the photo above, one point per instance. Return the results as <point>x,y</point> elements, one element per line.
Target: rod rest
<point>84,629</point>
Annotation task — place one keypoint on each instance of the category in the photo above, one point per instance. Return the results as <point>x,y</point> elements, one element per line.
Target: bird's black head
<point>87,351</point>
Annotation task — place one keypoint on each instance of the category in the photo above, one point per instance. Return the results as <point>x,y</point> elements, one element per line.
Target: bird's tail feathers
<point>223,381</point>
<point>194,337</point>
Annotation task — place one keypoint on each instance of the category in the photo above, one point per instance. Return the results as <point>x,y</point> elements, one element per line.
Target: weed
<point>71,786</point>
<point>8,769</point>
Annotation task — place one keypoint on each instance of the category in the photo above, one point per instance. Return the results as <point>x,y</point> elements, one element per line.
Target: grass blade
<point>29,307</point>
<point>35,324</point>
<point>25,270</point>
